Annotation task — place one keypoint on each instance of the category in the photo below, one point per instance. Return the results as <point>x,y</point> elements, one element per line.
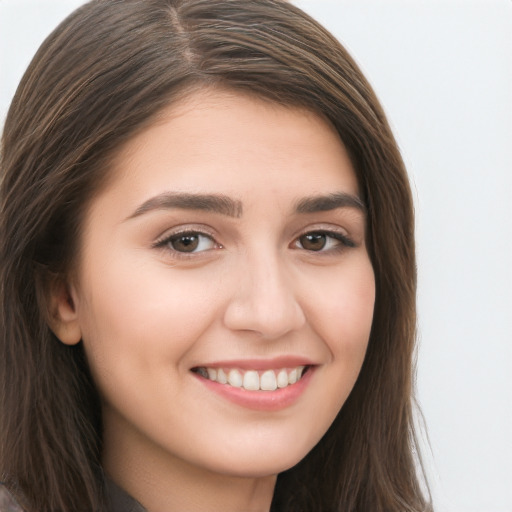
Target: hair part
<point>76,106</point>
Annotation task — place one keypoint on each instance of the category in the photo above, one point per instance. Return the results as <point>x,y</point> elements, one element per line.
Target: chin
<point>261,462</point>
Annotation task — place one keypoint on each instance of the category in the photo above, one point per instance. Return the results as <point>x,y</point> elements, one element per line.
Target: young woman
<point>207,269</point>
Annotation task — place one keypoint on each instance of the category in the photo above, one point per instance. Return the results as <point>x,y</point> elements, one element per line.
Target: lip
<point>259,400</point>
<point>260,364</point>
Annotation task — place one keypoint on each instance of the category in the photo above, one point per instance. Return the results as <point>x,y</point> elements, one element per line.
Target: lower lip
<point>260,400</point>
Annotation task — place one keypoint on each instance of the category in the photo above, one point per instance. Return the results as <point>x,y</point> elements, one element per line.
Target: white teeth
<point>251,381</point>
<point>235,378</point>
<point>282,379</point>
<point>268,381</point>
<point>221,376</point>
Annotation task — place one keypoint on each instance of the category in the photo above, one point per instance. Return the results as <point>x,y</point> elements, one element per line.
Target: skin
<point>148,314</point>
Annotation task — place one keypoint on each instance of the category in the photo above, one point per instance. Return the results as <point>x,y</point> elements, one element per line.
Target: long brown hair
<point>99,78</point>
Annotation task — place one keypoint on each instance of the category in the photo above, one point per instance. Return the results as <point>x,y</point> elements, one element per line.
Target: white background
<point>443,70</point>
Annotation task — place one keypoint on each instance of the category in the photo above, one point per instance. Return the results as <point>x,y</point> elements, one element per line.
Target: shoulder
<point>7,502</point>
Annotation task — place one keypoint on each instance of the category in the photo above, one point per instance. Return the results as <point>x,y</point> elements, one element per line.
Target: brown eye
<point>323,241</point>
<point>185,243</point>
<point>313,241</point>
<point>189,242</point>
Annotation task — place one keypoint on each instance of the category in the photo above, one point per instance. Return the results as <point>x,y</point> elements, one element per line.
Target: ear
<point>62,313</point>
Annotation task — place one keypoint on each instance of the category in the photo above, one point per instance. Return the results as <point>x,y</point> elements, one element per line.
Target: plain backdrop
<point>443,71</point>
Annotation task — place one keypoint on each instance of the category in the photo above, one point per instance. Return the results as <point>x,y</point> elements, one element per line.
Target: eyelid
<point>163,241</point>
<point>338,233</point>
<point>324,227</point>
<point>183,230</point>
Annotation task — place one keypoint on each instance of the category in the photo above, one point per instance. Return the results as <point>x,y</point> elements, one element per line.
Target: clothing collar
<point>120,500</point>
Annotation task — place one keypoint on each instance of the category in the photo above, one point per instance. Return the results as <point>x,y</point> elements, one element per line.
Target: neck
<point>163,483</point>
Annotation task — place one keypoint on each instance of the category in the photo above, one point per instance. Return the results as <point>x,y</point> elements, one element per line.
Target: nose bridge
<point>265,300</point>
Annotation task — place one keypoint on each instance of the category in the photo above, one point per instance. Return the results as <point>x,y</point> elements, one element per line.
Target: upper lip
<point>289,361</point>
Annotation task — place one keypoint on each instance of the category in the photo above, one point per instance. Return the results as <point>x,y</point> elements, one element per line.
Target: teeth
<point>268,381</point>
<point>252,380</point>
<point>235,378</point>
<point>282,379</point>
<point>203,372</point>
<point>221,377</point>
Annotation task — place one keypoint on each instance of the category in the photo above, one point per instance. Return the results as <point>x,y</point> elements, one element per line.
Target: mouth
<point>254,380</point>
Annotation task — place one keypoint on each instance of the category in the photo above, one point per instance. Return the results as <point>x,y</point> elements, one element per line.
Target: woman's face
<point>224,292</point>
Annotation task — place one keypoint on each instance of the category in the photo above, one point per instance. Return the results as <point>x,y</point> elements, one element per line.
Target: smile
<point>254,380</point>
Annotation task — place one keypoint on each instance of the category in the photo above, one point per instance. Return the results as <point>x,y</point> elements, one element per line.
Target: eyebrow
<point>223,205</point>
<point>205,202</point>
<point>324,203</point>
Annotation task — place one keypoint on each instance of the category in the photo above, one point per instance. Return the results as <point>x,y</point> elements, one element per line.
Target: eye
<point>188,242</point>
<point>323,241</point>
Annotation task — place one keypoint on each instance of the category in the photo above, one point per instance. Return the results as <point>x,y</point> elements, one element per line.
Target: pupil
<point>313,241</point>
<point>186,243</point>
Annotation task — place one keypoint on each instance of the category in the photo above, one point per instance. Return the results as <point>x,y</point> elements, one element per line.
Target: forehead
<point>232,143</point>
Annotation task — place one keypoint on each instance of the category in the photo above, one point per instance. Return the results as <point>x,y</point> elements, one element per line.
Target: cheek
<point>133,316</point>
<point>342,309</point>
<point>342,318</point>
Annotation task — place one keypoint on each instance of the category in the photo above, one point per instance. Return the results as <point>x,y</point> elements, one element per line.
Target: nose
<point>265,300</point>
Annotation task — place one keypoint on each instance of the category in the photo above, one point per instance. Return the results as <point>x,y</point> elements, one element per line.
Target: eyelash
<point>165,243</point>
<point>345,241</point>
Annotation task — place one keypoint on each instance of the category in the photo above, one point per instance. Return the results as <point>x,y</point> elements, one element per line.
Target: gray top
<point>119,500</point>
